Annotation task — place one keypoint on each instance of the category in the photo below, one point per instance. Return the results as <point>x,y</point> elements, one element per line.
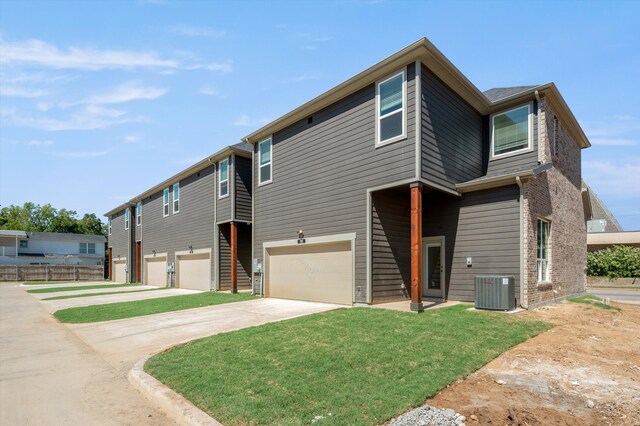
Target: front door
<point>433,274</point>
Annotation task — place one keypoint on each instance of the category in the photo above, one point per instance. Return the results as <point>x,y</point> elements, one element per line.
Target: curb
<point>174,405</point>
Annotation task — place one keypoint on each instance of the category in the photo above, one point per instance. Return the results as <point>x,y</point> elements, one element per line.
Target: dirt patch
<point>584,371</point>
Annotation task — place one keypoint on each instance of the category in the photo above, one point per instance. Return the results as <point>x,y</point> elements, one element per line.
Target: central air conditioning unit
<point>495,292</point>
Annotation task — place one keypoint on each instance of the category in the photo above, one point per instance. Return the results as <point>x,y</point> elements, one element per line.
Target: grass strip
<point>76,288</point>
<point>590,299</point>
<point>350,366</point>
<point>74,296</point>
<point>137,308</point>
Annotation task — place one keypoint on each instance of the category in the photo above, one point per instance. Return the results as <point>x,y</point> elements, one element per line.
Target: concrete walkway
<point>48,376</point>
<point>56,305</point>
<point>123,342</point>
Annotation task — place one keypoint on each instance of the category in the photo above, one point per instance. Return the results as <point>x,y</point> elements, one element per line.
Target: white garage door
<point>120,271</point>
<point>313,272</point>
<point>155,271</point>
<point>194,272</point>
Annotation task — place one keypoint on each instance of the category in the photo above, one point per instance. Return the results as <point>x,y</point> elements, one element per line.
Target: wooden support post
<point>234,257</point>
<point>416,247</point>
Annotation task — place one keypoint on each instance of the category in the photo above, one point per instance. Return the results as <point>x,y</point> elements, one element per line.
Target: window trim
<point>139,213</point>
<point>379,118</point>
<point>165,202</point>
<point>110,225</point>
<point>220,181</point>
<point>86,248</point>
<point>529,146</point>
<point>547,259</point>
<point>176,185</point>
<point>270,163</point>
<point>126,218</point>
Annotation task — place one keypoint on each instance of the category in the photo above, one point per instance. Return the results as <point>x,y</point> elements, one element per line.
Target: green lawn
<point>138,308</point>
<point>362,365</point>
<point>590,299</point>
<point>74,288</point>
<point>73,296</point>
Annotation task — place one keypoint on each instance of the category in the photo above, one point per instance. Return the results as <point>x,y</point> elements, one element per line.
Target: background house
<point>50,248</point>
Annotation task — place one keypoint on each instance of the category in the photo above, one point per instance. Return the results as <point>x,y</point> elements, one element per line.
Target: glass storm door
<point>433,267</point>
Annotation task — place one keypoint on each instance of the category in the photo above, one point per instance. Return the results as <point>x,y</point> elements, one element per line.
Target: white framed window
<point>542,237</point>
<point>109,223</point>
<point>87,248</point>
<point>139,213</point>
<point>165,202</point>
<point>126,218</point>
<point>391,111</point>
<point>264,161</point>
<point>176,197</point>
<point>511,131</point>
<point>223,172</point>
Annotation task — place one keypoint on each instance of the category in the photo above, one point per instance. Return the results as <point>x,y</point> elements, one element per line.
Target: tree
<point>36,218</point>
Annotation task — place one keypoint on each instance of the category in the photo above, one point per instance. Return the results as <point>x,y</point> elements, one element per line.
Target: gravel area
<point>427,415</point>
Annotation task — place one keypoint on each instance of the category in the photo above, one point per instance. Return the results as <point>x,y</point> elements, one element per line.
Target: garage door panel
<point>156,271</point>
<point>194,272</point>
<point>318,272</point>
<point>120,271</point>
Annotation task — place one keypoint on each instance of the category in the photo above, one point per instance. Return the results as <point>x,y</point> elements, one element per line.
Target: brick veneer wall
<point>555,195</point>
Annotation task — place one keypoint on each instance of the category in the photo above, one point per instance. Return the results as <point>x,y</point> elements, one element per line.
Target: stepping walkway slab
<point>56,305</point>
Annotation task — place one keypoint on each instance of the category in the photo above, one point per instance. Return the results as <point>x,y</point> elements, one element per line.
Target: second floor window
<point>176,197</point>
<point>139,213</point>
<point>126,219</point>
<point>165,202</point>
<point>511,131</point>
<point>264,154</point>
<point>87,248</point>
<point>109,226</point>
<point>390,108</point>
<point>223,172</point>
<point>542,236</point>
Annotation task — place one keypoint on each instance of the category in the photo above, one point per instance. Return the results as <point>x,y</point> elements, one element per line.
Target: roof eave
<point>422,50</point>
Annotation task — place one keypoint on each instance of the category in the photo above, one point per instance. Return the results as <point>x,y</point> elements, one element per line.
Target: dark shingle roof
<point>600,211</point>
<point>498,93</point>
<point>243,146</point>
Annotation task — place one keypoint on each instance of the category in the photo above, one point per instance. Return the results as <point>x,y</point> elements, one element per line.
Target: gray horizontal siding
<point>451,134</point>
<point>483,225</point>
<point>321,171</point>
<point>526,160</point>
<point>391,245</point>
<point>243,188</point>
<point>223,205</point>
<point>119,240</point>
<point>243,263</point>
<point>192,226</point>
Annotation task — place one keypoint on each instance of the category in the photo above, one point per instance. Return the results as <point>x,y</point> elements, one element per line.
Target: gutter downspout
<point>214,284</point>
<point>521,237</point>
<point>538,99</point>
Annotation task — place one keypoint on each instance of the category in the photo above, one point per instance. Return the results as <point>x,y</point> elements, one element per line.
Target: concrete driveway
<point>122,342</point>
<point>53,373</point>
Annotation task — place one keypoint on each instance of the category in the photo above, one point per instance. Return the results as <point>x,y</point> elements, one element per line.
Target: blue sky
<point>101,100</point>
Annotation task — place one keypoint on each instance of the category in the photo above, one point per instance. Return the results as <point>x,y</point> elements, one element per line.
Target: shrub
<point>616,262</point>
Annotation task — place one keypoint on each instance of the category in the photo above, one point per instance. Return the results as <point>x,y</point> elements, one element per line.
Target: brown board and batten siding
<point>119,238</point>
<point>452,133</point>
<point>322,167</point>
<point>192,226</point>
<point>483,225</point>
<point>242,189</point>
<point>243,262</point>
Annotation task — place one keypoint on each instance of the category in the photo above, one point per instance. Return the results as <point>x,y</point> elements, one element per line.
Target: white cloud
<point>97,110</point>
<point>128,92</point>
<point>305,77</point>
<point>43,106</point>
<point>217,67</point>
<point>132,139</point>
<point>81,154</point>
<point>40,143</point>
<point>23,92</point>
<point>89,118</point>
<point>244,120</point>
<point>611,178</point>
<point>38,52</point>
<point>193,31</point>
<point>209,90</point>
